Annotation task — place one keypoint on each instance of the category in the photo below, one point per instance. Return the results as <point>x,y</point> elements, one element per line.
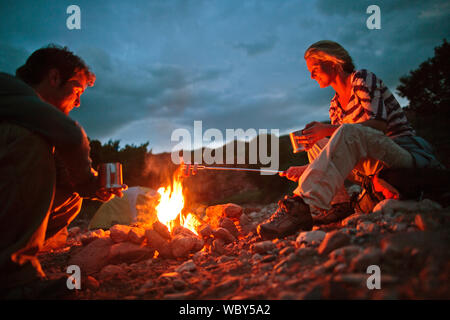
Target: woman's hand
<point>313,132</point>
<point>294,173</point>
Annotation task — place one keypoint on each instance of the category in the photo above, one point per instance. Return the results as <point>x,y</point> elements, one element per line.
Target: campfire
<point>173,231</point>
<point>167,230</point>
<point>170,207</point>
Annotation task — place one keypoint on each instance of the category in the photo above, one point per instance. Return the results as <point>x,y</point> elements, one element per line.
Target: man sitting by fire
<point>368,132</point>
<point>44,164</point>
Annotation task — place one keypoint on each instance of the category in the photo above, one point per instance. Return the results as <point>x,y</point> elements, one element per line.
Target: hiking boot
<point>337,212</point>
<point>292,215</point>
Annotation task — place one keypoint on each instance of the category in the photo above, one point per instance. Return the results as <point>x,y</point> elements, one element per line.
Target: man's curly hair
<point>52,56</point>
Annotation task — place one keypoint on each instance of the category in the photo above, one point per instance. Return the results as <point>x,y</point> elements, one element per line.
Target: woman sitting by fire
<point>368,132</point>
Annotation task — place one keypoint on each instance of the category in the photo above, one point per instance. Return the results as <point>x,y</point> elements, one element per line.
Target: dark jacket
<point>19,104</point>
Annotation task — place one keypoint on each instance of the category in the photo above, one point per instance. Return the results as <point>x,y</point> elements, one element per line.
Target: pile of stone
<point>409,242</point>
<point>128,244</point>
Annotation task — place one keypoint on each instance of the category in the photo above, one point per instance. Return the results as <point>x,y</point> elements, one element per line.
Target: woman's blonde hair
<point>327,50</point>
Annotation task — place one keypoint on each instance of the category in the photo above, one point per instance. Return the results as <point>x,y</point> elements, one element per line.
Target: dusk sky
<point>161,65</point>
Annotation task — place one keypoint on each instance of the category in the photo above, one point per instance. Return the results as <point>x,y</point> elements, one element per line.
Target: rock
<point>224,288</point>
<point>425,222</point>
<point>263,246</point>
<point>370,256</point>
<point>179,284</point>
<point>352,220</point>
<point>313,292</point>
<point>119,232</point>
<point>247,224</point>
<point>310,237</point>
<point>187,295</point>
<point>182,245</point>
<point>228,224</point>
<point>367,227</point>
<point>417,243</point>
<point>400,226</point>
<point>136,235</point>
<point>157,242</point>
<point>224,234</point>
<point>92,283</point>
<point>230,210</point>
<point>345,254</point>
<point>340,268</point>
<point>170,276</point>
<point>268,258</point>
<point>305,252</point>
<point>129,252</point>
<point>355,279</point>
<point>251,209</point>
<point>93,235</point>
<point>161,229</point>
<point>286,251</point>
<point>218,246</point>
<point>287,295</point>
<point>74,231</point>
<point>391,206</point>
<point>111,271</point>
<point>205,231</point>
<point>186,266</point>
<point>332,241</point>
<point>93,257</point>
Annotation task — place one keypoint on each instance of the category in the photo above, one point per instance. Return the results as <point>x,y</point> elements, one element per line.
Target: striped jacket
<point>371,99</point>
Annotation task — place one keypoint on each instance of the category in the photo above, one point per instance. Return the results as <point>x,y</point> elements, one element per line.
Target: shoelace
<point>281,211</point>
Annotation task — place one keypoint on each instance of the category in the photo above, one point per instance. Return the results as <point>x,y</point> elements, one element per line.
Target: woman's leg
<point>341,195</point>
<point>352,145</point>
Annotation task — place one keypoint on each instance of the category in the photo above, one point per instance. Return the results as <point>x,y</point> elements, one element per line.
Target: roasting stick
<point>195,167</point>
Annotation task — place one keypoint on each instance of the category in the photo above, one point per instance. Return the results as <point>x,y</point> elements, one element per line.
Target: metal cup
<point>110,175</point>
<point>296,146</point>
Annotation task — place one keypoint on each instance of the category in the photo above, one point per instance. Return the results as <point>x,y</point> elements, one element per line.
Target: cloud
<point>256,48</point>
<point>161,65</point>
<point>122,97</point>
<point>11,57</point>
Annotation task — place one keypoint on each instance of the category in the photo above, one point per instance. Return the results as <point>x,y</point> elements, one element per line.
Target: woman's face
<point>321,71</point>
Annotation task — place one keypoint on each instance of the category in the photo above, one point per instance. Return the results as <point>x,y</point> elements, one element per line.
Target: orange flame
<point>170,206</point>
<point>192,223</point>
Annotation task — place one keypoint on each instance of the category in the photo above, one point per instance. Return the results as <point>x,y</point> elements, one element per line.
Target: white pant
<point>352,147</point>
